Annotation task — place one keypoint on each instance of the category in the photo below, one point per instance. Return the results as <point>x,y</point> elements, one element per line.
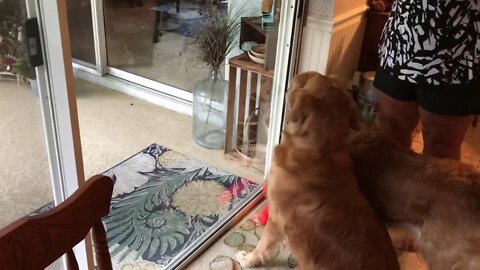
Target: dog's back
<point>441,196</point>
<point>404,185</point>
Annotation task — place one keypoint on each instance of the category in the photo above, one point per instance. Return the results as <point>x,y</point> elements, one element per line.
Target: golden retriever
<point>314,200</point>
<point>435,203</point>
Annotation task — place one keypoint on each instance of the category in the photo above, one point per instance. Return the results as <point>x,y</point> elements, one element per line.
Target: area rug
<point>163,202</point>
<point>187,22</point>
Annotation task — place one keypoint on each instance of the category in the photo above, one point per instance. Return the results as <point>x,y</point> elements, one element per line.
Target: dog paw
<point>246,259</point>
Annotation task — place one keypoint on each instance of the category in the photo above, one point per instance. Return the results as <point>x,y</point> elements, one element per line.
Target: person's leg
<point>398,119</point>
<point>443,135</point>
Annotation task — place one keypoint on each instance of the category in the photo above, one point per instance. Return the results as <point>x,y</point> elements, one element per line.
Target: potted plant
<point>13,51</point>
<point>217,37</point>
<point>25,72</point>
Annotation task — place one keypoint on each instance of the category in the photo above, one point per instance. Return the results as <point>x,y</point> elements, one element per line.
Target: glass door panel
<point>80,26</point>
<point>152,222</point>
<point>39,157</point>
<point>24,167</point>
<point>156,39</point>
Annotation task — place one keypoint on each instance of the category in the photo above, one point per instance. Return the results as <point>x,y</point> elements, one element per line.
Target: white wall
<point>331,8</point>
<point>332,37</point>
<point>346,43</point>
<point>321,8</point>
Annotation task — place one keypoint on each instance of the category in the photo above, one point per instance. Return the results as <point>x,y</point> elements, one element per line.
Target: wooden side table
<point>248,110</point>
<point>251,30</point>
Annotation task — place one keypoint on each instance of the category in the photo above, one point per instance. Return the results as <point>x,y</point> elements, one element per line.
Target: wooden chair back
<point>35,242</point>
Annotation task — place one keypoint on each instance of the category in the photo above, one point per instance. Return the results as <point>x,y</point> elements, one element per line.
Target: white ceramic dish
<point>256,59</point>
<point>258,50</point>
<point>257,54</point>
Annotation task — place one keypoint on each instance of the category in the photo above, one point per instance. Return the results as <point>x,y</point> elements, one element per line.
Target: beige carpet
<point>113,127</point>
<point>24,172</point>
<point>174,60</point>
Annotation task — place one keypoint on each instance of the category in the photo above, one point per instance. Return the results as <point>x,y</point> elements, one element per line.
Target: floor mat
<point>162,202</point>
<point>187,22</point>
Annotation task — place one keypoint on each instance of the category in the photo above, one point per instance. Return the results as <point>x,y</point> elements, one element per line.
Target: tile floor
<point>245,236</point>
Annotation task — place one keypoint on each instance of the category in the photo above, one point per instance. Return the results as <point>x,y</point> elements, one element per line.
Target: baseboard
<point>170,102</point>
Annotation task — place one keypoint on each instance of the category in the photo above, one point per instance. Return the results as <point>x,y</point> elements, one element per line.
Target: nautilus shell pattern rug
<point>163,202</point>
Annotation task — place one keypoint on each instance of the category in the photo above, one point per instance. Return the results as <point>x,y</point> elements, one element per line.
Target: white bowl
<point>256,59</point>
<point>258,50</point>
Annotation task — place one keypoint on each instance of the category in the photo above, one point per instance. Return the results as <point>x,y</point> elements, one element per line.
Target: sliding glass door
<point>156,39</point>
<point>24,166</point>
<point>80,26</point>
<point>155,46</point>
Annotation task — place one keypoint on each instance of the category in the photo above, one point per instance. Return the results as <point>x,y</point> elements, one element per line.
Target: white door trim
<point>282,75</point>
<point>58,97</point>
<point>99,36</point>
<point>58,104</point>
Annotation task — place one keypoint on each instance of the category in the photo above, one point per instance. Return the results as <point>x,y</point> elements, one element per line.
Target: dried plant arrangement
<point>218,36</point>
<point>13,51</point>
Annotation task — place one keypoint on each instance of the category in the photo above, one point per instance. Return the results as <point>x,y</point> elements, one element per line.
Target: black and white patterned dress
<point>432,42</point>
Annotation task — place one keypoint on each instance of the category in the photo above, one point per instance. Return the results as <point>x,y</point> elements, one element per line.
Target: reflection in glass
<point>157,39</point>
<point>24,169</point>
<point>79,14</point>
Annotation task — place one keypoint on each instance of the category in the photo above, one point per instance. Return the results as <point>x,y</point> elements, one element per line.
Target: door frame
<point>285,68</point>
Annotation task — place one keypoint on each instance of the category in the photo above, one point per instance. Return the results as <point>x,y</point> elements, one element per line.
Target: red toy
<point>263,215</point>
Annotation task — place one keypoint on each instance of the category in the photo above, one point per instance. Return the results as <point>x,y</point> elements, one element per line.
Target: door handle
<point>34,47</point>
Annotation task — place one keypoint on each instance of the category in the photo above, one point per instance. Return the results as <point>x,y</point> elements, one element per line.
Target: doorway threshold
<point>173,103</point>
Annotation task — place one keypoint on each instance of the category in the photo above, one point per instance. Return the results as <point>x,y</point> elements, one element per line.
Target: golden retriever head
<point>317,106</point>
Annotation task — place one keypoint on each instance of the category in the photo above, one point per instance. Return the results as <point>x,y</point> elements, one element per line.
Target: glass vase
<point>209,110</point>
